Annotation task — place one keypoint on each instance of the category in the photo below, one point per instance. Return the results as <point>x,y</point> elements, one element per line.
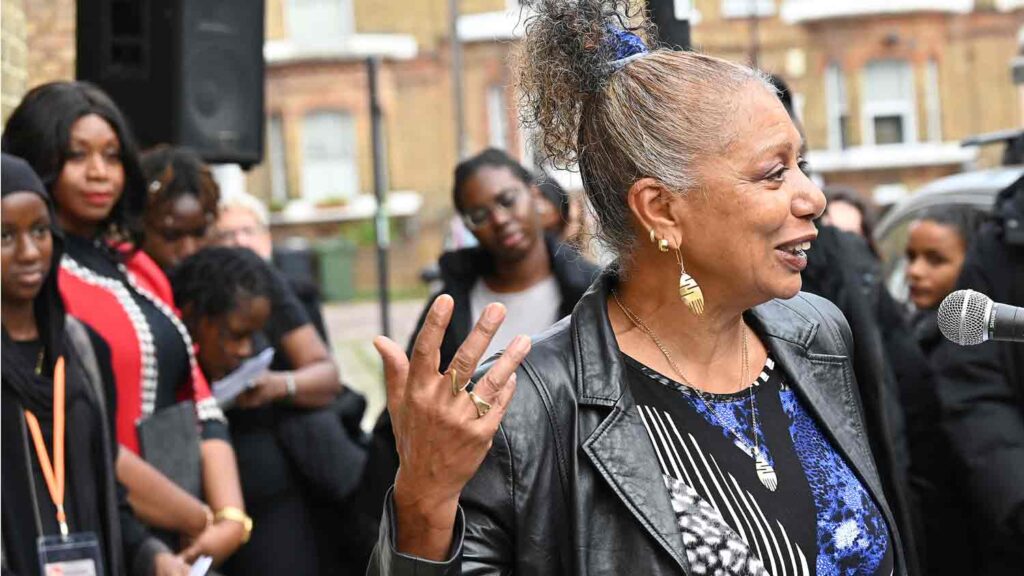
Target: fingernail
<point>493,313</point>
<point>443,303</point>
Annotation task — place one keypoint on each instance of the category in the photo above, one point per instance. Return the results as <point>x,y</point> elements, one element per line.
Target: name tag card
<point>76,555</point>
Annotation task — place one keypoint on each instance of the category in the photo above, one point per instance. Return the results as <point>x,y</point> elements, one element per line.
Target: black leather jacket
<point>571,484</point>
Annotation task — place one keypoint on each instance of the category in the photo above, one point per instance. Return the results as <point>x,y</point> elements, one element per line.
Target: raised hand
<point>443,433</point>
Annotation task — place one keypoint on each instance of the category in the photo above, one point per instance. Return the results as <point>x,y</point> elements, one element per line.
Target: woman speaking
<point>696,414</point>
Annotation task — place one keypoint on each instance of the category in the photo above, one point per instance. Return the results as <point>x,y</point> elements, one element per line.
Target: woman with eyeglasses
<point>79,143</point>
<point>537,278</point>
<point>181,204</point>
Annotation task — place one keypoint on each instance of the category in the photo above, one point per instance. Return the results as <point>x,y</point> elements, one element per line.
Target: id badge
<point>77,555</point>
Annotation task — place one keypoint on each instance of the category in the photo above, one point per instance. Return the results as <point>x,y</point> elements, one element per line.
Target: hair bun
<point>569,50</point>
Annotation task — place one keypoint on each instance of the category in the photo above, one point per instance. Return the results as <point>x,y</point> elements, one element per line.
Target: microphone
<point>967,318</point>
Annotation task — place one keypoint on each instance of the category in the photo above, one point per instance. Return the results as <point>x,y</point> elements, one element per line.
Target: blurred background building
<point>886,90</point>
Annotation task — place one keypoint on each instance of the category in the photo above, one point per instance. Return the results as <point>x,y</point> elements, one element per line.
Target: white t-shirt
<point>529,312</point>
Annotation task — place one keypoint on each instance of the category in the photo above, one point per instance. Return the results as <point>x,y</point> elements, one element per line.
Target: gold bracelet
<point>233,514</point>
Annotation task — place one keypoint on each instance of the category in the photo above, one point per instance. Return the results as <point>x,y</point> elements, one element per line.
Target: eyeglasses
<point>507,200</point>
<point>236,236</point>
<point>171,235</point>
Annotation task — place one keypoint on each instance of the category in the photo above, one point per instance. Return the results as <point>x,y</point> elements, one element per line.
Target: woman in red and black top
<point>77,140</point>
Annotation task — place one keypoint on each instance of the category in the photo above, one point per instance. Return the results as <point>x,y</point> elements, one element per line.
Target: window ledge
<point>348,48</point>
<point>797,11</point>
<point>890,156</point>
<point>359,207</point>
<point>491,26</point>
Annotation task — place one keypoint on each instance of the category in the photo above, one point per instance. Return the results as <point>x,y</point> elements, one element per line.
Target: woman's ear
<point>651,203</point>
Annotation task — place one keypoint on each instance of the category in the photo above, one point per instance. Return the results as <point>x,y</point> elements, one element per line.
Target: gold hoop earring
<point>653,239</point>
<point>663,245</point>
<point>689,290</point>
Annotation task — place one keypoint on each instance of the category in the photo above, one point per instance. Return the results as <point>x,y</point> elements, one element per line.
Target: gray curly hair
<point>656,116</point>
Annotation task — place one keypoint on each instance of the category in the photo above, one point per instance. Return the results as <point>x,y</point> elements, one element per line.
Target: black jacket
<point>981,392</point>
<point>460,271</point>
<point>571,484</point>
<point>92,490</point>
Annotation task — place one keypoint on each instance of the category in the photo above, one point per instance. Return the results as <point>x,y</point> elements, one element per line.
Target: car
<point>975,190</point>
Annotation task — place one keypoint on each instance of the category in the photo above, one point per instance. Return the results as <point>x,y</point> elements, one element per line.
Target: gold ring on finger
<point>482,406</point>
<point>455,382</point>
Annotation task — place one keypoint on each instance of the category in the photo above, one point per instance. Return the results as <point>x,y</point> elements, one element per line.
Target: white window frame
<point>497,117</point>
<point>746,8</point>
<point>340,171</point>
<point>837,104</point>
<point>277,155</point>
<point>933,101</point>
<point>906,109</point>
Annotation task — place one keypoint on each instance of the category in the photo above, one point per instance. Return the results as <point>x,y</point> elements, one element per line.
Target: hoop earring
<point>689,290</point>
<point>653,239</point>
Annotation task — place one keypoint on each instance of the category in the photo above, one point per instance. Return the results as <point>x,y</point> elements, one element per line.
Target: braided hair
<point>211,282</point>
<point>172,172</point>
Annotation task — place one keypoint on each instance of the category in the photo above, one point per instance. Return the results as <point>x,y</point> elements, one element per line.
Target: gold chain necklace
<point>764,470</point>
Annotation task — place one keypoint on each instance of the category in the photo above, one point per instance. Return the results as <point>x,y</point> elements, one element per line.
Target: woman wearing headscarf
<point>56,375</point>
<point>696,413</point>
<point>79,143</point>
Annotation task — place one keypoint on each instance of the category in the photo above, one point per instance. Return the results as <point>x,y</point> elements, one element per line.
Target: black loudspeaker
<point>672,32</point>
<point>185,72</point>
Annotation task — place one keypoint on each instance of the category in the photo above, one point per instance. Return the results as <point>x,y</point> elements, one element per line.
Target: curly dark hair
<point>211,282</point>
<point>39,130</point>
<point>654,114</point>
<point>174,171</point>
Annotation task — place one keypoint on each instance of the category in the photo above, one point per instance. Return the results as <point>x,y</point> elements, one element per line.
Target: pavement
<point>352,327</point>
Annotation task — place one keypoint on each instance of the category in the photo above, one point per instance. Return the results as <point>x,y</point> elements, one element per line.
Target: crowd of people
<point>737,393</point>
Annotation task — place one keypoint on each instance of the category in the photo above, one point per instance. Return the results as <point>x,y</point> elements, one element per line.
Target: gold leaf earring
<point>689,290</point>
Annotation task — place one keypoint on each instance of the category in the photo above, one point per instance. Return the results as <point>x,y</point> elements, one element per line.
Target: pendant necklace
<point>763,469</point>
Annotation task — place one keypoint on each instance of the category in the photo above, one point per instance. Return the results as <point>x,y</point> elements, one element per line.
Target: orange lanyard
<point>53,473</point>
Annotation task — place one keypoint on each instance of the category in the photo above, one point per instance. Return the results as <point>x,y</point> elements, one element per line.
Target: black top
<point>819,519</point>
<point>27,506</point>
<point>286,314</point>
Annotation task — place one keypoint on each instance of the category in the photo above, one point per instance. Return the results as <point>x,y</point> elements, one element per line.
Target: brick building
<point>885,88</point>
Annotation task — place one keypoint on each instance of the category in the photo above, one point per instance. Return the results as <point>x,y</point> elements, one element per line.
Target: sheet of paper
<point>201,566</point>
<point>227,389</point>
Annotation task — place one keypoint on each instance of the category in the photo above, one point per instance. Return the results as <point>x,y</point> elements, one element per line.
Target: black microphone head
<point>963,317</point>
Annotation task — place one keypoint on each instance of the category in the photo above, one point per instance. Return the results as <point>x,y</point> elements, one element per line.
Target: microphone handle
<point>1006,323</point>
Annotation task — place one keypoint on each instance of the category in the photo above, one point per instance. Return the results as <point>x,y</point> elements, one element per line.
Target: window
<point>278,161</point>
<point>329,168</point>
<point>497,117</point>
<point>837,108</point>
<point>888,112</point>
<point>747,8</point>
<point>312,20</point>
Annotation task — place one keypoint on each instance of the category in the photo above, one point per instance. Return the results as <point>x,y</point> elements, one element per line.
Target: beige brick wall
<point>51,40</point>
<point>13,54</point>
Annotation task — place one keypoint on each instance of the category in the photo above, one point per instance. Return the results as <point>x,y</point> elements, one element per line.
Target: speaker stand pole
<point>381,225</point>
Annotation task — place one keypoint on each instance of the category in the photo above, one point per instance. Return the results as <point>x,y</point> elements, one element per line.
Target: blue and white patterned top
<point>820,519</point>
